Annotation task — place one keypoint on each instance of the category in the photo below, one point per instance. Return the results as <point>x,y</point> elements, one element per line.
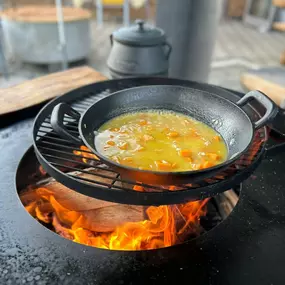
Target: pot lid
<point>141,34</point>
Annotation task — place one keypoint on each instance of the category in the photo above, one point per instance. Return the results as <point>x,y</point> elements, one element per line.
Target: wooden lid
<point>44,14</point>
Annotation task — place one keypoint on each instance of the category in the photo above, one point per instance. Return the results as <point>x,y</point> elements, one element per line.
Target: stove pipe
<point>190,26</point>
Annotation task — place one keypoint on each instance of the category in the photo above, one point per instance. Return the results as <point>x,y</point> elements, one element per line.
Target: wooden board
<point>110,13</point>
<point>279,26</point>
<point>270,81</point>
<point>35,91</point>
<point>282,58</point>
<point>44,14</point>
<point>279,3</point>
<point>235,8</point>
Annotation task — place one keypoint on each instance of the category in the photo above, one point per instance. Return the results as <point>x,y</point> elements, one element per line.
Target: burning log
<point>110,225</point>
<point>68,198</point>
<point>232,197</point>
<point>86,212</point>
<point>190,213</point>
<point>108,218</point>
<point>226,202</point>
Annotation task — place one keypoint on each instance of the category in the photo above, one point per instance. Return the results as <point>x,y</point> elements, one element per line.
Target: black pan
<point>227,118</point>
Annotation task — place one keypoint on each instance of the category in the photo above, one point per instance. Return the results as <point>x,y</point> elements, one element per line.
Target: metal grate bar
<point>99,183</point>
<point>78,163</point>
<point>68,147</point>
<point>108,177</point>
<point>62,151</point>
<point>88,101</point>
<point>45,136</point>
<point>68,120</point>
<point>86,171</point>
<point>51,129</point>
<point>83,104</point>
<point>80,110</point>
<point>48,125</point>
<point>114,181</point>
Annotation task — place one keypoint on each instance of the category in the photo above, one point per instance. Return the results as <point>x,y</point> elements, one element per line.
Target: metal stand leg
<point>99,12</point>
<point>2,54</point>
<point>191,28</point>
<point>61,34</point>
<point>126,13</point>
<point>147,10</point>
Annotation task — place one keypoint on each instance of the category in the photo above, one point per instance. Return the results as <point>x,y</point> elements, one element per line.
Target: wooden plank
<point>235,8</point>
<point>279,3</point>
<point>35,91</point>
<point>279,26</point>
<point>270,81</point>
<point>44,14</point>
<point>282,57</point>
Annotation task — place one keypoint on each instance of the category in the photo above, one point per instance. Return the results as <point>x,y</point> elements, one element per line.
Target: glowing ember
<point>85,154</point>
<point>42,171</point>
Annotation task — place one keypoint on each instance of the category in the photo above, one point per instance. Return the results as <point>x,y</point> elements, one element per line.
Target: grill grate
<point>99,181</point>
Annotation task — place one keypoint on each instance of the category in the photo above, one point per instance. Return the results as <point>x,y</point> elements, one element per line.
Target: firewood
<point>96,215</point>
<point>108,218</point>
<point>184,230</point>
<point>232,197</point>
<point>224,205</point>
<point>63,231</point>
<point>68,198</point>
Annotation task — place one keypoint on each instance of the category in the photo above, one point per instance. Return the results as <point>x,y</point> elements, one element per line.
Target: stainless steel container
<point>35,39</point>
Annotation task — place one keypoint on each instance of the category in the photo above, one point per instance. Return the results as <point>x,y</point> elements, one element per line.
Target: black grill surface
<point>247,248</point>
<point>57,154</point>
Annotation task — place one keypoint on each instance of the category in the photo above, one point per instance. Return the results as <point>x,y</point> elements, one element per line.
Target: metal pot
<point>35,40</point>
<point>139,50</point>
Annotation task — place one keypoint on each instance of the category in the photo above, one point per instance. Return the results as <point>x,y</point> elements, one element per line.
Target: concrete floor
<point>238,48</point>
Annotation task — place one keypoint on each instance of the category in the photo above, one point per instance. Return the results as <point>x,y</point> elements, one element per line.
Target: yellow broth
<point>160,141</point>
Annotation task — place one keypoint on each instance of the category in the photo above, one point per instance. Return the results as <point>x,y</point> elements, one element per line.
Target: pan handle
<point>56,120</point>
<point>267,103</point>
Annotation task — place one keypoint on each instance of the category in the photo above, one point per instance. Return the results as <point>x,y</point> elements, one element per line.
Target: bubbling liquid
<point>160,140</point>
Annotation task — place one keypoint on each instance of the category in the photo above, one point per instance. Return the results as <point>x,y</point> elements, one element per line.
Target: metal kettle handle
<point>169,49</point>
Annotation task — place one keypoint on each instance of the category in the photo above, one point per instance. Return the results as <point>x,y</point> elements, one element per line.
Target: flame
<point>158,230</point>
<point>42,171</point>
<point>85,154</point>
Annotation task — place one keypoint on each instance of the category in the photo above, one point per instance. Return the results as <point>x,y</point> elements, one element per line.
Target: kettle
<point>139,50</point>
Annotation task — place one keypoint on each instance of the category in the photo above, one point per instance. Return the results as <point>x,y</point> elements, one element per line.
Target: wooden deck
<point>238,47</point>
<point>236,40</point>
